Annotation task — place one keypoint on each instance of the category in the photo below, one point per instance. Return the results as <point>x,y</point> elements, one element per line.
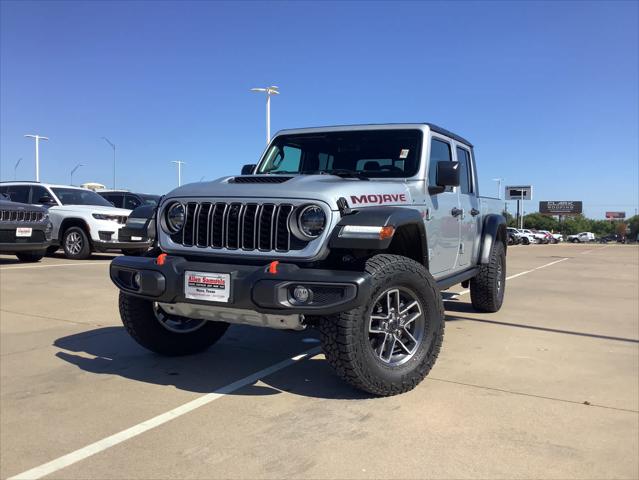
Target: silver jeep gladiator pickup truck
<point>353,230</point>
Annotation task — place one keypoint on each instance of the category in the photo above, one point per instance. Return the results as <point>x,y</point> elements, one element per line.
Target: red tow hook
<point>272,268</point>
<point>161,259</point>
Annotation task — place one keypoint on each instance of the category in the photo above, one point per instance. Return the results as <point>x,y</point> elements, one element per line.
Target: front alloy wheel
<point>396,326</point>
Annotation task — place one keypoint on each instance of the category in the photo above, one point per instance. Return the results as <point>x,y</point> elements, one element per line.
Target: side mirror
<point>248,169</point>
<point>46,200</point>
<point>447,176</point>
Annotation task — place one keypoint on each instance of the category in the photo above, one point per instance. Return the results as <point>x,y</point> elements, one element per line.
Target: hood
<point>326,188</point>
<point>9,205</point>
<point>92,209</point>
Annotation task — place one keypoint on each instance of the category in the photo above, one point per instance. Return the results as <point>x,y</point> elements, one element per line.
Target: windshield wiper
<point>345,173</point>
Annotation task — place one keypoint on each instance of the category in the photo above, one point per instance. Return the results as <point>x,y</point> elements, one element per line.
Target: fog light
<point>136,281</point>
<point>301,294</point>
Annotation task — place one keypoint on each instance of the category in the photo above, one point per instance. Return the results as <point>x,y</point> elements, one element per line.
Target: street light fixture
<point>37,153</point>
<point>74,169</point>
<point>179,167</point>
<point>113,147</point>
<point>272,90</point>
<point>15,169</point>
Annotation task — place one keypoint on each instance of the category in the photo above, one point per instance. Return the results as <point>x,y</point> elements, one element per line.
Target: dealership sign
<point>519,192</point>
<point>615,215</point>
<point>561,207</point>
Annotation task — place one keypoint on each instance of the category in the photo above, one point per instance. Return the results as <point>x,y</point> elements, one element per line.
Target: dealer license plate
<point>212,287</point>
<point>23,232</point>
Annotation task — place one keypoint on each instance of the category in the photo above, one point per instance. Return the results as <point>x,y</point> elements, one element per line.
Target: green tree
<point>540,222</point>
<point>576,224</point>
<point>602,227</point>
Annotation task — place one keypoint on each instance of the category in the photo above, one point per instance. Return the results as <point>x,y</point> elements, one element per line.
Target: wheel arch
<point>494,230</point>
<point>73,222</point>
<point>409,237</point>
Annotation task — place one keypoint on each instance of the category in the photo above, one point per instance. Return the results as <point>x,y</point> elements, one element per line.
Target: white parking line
<point>108,442</point>
<point>525,272</point>
<point>76,264</point>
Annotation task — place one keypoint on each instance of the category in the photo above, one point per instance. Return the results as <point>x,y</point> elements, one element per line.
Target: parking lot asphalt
<point>546,388</point>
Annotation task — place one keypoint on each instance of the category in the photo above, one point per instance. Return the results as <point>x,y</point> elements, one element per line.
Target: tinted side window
<point>439,152</point>
<point>131,202</point>
<point>115,198</point>
<point>465,182</point>
<point>37,193</point>
<point>19,193</point>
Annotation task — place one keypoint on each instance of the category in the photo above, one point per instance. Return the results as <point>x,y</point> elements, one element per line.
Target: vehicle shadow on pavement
<point>94,256</point>
<point>463,307</point>
<point>243,351</point>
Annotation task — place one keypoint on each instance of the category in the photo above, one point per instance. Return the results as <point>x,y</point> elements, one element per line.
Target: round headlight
<point>311,221</point>
<point>175,215</point>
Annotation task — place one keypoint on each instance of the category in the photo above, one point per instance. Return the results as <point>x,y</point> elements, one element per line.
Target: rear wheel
<point>487,288</point>
<point>170,335</point>
<point>30,256</point>
<point>75,243</point>
<point>525,241</point>
<point>388,345</point>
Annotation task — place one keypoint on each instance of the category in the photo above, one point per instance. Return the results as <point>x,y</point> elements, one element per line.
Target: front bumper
<point>251,287</point>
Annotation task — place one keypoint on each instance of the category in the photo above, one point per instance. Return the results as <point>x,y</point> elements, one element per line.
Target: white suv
<point>82,220</point>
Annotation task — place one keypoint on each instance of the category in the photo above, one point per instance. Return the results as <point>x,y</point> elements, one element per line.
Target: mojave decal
<point>379,198</point>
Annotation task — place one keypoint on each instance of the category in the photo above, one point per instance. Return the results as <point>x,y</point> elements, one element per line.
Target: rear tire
<point>30,256</point>
<point>487,288</point>
<point>150,328</point>
<point>525,241</point>
<point>358,345</point>
<point>75,243</point>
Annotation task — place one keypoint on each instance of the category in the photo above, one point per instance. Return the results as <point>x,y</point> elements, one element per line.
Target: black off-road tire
<point>30,256</point>
<point>488,287</point>
<point>140,321</point>
<point>85,248</point>
<point>345,338</point>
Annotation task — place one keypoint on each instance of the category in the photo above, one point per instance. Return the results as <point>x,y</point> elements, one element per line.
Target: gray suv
<point>352,230</point>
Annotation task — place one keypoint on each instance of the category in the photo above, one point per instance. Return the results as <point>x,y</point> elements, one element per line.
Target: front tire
<point>167,334</point>
<point>30,256</point>
<point>389,344</point>
<point>75,243</point>
<point>488,286</point>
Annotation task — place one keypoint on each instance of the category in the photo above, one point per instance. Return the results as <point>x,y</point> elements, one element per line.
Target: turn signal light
<point>386,232</point>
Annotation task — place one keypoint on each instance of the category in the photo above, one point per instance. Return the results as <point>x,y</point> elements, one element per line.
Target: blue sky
<point>547,91</point>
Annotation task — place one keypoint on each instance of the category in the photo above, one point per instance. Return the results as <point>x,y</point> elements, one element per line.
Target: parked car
<point>550,238</point>
<point>615,237</point>
<point>582,237</point>
<point>345,229</point>
<point>527,237</point>
<point>139,229</point>
<point>514,237</point>
<point>25,230</point>
<point>82,220</point>
<point>540,237</point>
<point>129,200</point>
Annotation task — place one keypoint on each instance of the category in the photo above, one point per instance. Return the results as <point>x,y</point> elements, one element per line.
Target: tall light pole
<point>74,169</point>
<point>179,167</point>
<point>499,180</point>
<point>37,153</point>
<point>272,90</point>
<point>15,169</point>
<point>113,147</point>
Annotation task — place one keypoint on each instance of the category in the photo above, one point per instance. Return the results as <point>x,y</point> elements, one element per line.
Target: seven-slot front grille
<point>20,216</point>
<point>238,225</point>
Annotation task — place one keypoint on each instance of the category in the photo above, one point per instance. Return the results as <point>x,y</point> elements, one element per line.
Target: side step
<point>456,278</point>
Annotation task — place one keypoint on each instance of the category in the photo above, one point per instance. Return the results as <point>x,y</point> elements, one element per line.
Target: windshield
<point>76,196</point>
<point>369,153</point>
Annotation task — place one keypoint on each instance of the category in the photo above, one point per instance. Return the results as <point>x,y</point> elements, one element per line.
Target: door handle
<point>456,212</point>
<point>474,212</point>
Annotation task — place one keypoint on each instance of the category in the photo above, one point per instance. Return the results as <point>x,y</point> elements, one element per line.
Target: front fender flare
<point>494,229</point>
<point>377,217</point>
